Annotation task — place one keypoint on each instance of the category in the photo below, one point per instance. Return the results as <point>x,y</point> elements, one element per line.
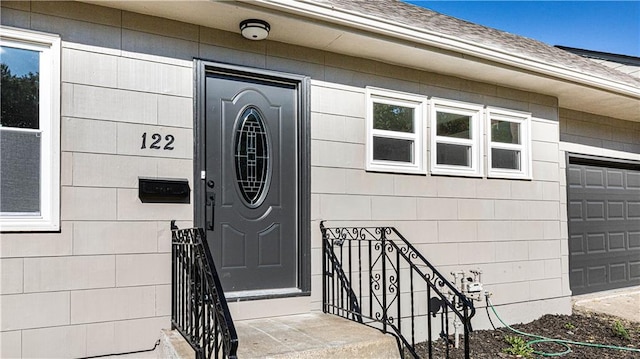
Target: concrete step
<point>312,336</point>
<point>173,346</point>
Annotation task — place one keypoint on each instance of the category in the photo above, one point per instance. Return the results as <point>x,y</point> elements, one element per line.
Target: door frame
<point>302,83</point>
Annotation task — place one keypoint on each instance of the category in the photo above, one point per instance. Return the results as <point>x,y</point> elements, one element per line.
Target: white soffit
<point>310,25</point>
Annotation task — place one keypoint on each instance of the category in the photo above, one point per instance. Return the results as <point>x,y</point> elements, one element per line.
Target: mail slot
<point>163,190</point>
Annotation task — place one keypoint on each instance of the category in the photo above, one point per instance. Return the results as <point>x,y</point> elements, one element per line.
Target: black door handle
<point>211,210</point>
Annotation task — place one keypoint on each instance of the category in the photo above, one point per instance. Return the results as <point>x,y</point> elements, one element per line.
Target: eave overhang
<point>320,26</point>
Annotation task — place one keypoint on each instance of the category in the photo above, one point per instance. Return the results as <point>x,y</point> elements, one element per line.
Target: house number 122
<point>157,138</point>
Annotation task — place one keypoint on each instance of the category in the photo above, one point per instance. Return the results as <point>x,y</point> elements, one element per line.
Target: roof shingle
<point>425,19</point>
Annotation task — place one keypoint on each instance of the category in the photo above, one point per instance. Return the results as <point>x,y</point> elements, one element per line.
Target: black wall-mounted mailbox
<point>163,190</point>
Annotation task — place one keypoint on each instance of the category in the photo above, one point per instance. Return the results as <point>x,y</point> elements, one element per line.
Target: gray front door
<point>251,184</point>
<point>604,226</point>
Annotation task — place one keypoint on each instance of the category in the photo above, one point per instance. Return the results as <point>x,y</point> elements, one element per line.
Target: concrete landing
<point>623,303</point>
<point>314,335</point>
<point>306,336</point>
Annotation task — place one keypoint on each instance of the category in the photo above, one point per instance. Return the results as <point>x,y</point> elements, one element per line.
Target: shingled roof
<point>418,17</point>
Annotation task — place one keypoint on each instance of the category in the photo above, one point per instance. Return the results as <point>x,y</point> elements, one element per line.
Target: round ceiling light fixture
<point>254,29</point>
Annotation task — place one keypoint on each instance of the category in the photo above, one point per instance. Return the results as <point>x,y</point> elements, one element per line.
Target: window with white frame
<point>456,130</point>
<point>29,131</point>
<point>509,143</point>
<point>395,131</point>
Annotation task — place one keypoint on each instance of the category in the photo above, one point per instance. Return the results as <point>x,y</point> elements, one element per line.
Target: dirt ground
<point>578,327</point>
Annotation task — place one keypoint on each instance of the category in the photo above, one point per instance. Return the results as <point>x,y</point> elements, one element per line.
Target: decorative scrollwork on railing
<point>359,233</point>
<point>408,252</point>
<point>390,280</point>
<point>392,285</point>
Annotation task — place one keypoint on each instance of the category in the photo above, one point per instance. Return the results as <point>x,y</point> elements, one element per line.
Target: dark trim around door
<point>302,83</point>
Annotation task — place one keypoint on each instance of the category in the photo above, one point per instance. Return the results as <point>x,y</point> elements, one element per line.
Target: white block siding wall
<point>605,136</point>
<point>589,134</point>
<point>514,231</point>
<point>101,285</point>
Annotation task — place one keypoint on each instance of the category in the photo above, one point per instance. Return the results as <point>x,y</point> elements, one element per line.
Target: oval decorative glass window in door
<point>252,158</point>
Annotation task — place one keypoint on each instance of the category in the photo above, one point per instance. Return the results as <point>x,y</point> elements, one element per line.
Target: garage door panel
<point>598,258</point>
<point>616,242</point>
<point>594,178</point>
<point>612,209</point>
<point>634,271</point>
<point>576,210</point>
<point>615,179</point>
<point>633,209</point>
<point>603,277</point>
<point>591,226</point>
<point>634,240</point>
<point>577,278</point>
<point>596,275</point>
<point>574,177</point>
<point>615,210</point>
<point>596,243</point>
<point>633,180</point>
<point>604,227</point>
<point>576,244</point>
<point>618,272</point>
<point>595,210</point>
<point>604,195</point>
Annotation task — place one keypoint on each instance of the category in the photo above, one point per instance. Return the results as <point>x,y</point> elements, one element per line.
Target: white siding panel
<point>34,310</point>
<point>68,273</point>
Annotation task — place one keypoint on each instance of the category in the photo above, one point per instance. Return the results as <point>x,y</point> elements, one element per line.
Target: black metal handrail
<point>199,310</point>
<point>375,276</point>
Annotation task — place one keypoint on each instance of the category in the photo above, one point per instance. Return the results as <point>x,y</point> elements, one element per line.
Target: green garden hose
<point>565,343</point>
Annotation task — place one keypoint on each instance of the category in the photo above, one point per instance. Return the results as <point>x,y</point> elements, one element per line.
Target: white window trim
<point>462,108</point>
<point>522,118</point>
<point>49,46</point>
<point>419,104</point>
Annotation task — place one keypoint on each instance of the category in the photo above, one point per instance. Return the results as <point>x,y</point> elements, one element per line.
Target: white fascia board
<point>417,35</point>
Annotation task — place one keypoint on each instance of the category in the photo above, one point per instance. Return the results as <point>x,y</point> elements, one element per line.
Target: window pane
<point>508,159</point>
<point>455,155</point>
<point>19,87</point>
<point>19,172</point>
<point>505,132</point>
<point>392,118</point>
<point>391,149</point>
<point>453,125</point>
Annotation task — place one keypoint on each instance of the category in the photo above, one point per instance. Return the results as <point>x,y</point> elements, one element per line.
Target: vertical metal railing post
<point>370,279</point>
<point>398,291</point>
<point>351,308</point>
<point>174,284</point>
<point>467,346</point>
<point>360,272</point>
<point>341,290</point>
<point>383,255</point>
<point>203,332</point>
<point>325,258</point>
<point>412,298</point>
<point>445,316</point>
<point>429,332</point>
